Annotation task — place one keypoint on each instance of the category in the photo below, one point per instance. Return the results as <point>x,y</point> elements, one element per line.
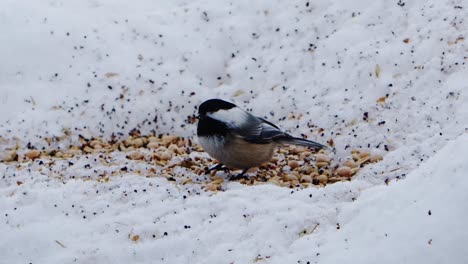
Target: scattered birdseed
<point>182,162</point>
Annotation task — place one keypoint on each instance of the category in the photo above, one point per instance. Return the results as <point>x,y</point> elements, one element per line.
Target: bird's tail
<point>301,142</point>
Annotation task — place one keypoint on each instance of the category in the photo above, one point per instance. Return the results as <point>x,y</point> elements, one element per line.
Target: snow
<point>102,67</point>
<point>419,219</point>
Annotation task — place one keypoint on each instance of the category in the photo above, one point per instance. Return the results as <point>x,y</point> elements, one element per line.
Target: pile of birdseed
<point>183,162</point>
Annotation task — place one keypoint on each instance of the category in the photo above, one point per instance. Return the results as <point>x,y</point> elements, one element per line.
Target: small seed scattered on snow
<point>322,158</point>
<point>165,156</point>
<point>136,155</point>
<point>88,149</point>
<point>350,163</point>
<point>293,164</point>
<point>321,164</point>
<point>186,181</point>
<point>355,156</point>
<point>363,160</point>
<point>322,179</point>
<point>289,177</point>
<point>306,178</point>
<point>275,181</point>
<point>334,179</point>
<point>363,155</point>
<point>173,149</point>
<point>376,158</point>
<point>33,154</point>
<point>152,145</point>
<point>10,156</point>
<point>212,187</point>
<point>138,143</point>
<point>153,139</point>
<point>97,146</point>
<point>344,171</point>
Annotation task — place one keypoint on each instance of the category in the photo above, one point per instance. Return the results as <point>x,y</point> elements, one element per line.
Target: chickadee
<point>239,140</point>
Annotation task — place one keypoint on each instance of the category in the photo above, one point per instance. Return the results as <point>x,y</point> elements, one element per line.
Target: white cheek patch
<point>233,117</point>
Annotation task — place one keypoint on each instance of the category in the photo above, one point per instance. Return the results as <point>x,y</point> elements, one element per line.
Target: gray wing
<point>259,131</point>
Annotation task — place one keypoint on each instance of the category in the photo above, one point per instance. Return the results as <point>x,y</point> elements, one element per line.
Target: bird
<point>238,139</point>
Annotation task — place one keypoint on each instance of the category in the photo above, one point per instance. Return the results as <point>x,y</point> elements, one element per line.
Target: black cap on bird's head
<point>213,105</point>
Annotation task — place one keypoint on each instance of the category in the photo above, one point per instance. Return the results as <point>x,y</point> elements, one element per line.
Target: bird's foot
<point>218,166</point>
<point>239,176</point>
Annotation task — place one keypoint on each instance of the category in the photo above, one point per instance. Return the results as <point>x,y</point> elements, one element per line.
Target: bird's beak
<point>197,116</point>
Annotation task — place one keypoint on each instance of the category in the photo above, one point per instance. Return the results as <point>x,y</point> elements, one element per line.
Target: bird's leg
<point>218,166</point>
<point>239,176</point>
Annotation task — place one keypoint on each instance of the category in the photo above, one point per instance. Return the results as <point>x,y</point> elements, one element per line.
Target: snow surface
<point>101,67</point>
